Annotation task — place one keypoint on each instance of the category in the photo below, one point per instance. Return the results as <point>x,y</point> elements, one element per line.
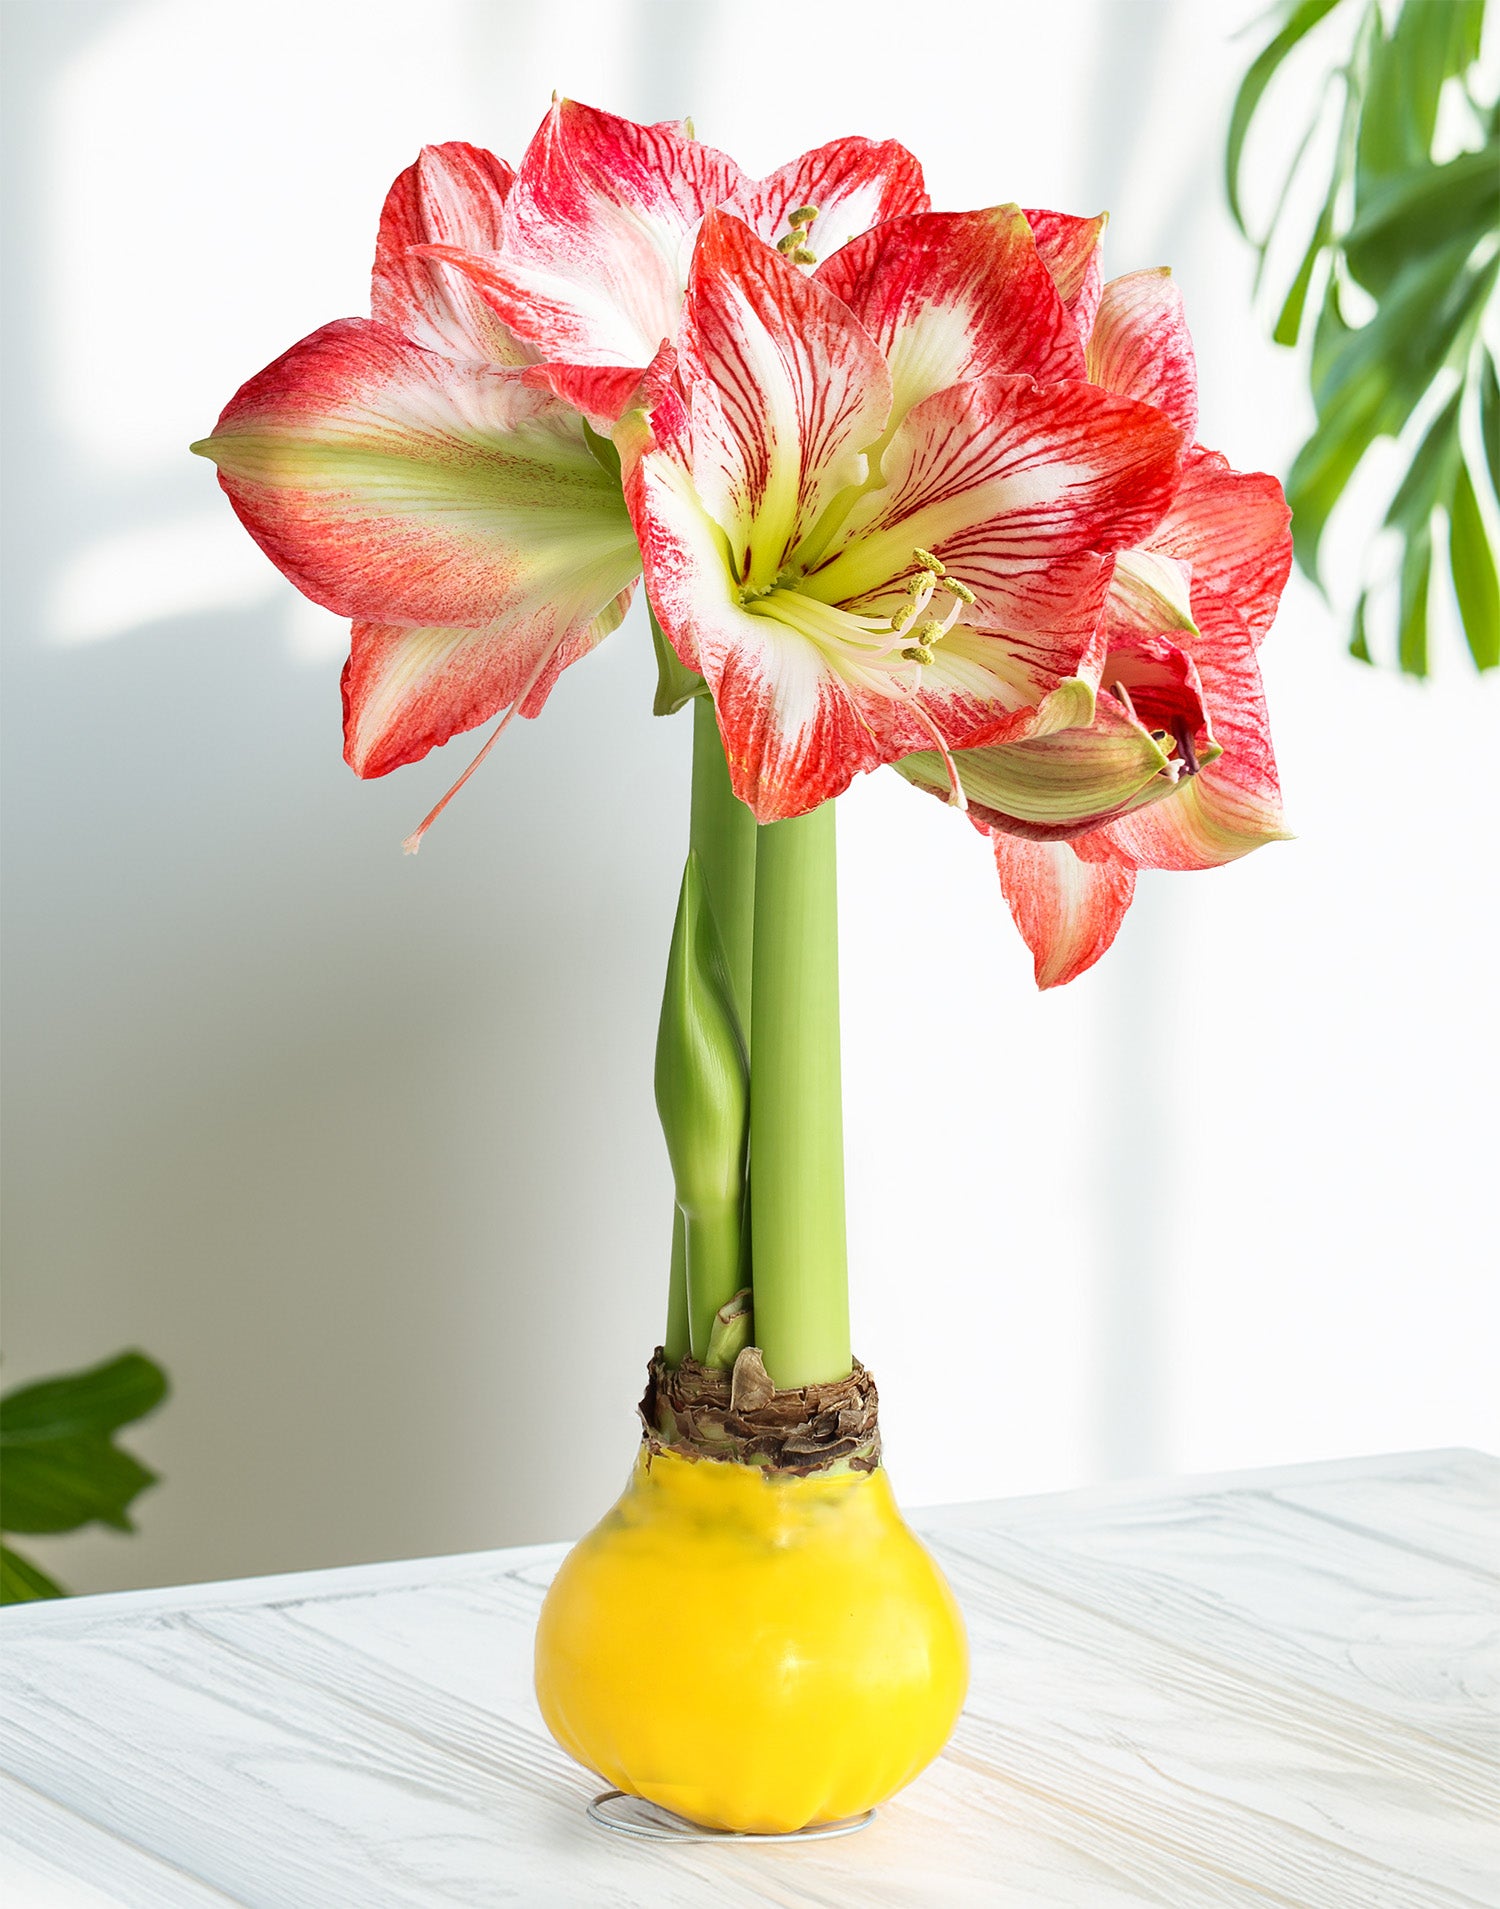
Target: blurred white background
<point>363,1149</point>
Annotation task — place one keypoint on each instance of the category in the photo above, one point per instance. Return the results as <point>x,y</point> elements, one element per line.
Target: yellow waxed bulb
<point>753,1650</point>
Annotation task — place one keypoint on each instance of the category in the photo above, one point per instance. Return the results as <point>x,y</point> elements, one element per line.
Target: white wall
<point>363,1147</point>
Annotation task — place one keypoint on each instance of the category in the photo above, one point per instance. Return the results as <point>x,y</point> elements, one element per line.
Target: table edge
<point>55,1616</point>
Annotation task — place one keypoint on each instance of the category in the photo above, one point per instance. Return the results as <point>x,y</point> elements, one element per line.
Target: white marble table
<point>1281,1688</point>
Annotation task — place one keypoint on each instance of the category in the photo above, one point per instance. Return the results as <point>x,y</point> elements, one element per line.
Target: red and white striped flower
<point>1176,771</point>
<point>909,487</point>
<point>402,472</point>
<point>599,232</point>
<point>426,472</point>
<point>880,507</point>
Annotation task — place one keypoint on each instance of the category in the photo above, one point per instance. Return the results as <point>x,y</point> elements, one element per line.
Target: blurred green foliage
<point>59,1465</point>
<point>1410,244</point>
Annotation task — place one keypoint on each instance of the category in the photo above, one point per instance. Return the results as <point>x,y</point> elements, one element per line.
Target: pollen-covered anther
<point>917,653</point>
<point>794,245</point>
<point>961,590</point>
<point>929,562</point>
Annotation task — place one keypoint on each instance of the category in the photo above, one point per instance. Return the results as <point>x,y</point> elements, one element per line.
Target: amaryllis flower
<point>402,473</point>
<point>881,509</point>
<point>593,259</point>
<point>1176,770</point>
<point>414,472</point>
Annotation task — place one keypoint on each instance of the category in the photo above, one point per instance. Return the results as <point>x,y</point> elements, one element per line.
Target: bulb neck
<point>739,1417</point>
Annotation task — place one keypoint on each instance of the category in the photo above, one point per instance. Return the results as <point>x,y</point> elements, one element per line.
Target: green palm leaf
<point>1414,238</point>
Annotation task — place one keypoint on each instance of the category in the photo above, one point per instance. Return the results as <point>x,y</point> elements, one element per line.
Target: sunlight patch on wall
<point>187,566</point>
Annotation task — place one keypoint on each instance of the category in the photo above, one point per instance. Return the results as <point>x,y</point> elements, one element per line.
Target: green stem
<point>677,1343</point>
<point>722,834</point>
<point>796,1110</point>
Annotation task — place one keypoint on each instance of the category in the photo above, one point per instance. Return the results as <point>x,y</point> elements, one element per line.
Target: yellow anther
<point>918,653</point>
<point>801,256</point>
<point>789,244</point>
<point>960,590</point>
<point>804,215</point>
<point>929,562</point>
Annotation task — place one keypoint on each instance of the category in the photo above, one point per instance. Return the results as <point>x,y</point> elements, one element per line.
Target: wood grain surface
<point>1281,1688</point>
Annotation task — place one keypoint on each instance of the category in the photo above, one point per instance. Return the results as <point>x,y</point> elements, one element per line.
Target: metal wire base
<point>648,1823</point>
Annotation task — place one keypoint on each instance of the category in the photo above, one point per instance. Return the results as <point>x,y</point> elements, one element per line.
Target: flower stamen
<point>795,244</point>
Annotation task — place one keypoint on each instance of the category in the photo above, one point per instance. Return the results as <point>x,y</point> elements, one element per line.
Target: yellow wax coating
<point>753,1651</point>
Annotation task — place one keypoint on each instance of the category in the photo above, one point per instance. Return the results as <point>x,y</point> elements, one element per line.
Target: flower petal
<point>1068,910</point>
<point>950,296</point>
<point>795,732</point>
<point>1234,529</point>
<point>786,390</point>
<point>1053,786</point>
<point>854,184</point>
<point>597,235</point>
<point>397,486</point>
<point>407,691</point>
<point>1233,804</point>
<point>1140,347</point>
<point>453,195</point>
<point>1017,488</point>
<point>1159,682</point>
<point>1069,249</point>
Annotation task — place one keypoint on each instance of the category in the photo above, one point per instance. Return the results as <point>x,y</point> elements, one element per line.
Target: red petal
<point>786,392</point>
<point>854,183</point>
<point>1069,249</point>
<point>1140,347</point>
<point>597,231</point>
<point>407,691</point>
<point>453,195</point>
<point>1234,804</point>
<point>1161,681</point>
<point>1234,529</point>
<point>401,487</point>
<point>1068,910</point>
<point>950,296</point>
<point>1017,488</point>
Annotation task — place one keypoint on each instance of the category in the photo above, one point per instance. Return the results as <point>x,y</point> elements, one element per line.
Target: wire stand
<point>645,1822</point>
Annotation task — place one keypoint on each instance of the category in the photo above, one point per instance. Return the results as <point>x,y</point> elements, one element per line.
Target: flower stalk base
<point>739,1417</point>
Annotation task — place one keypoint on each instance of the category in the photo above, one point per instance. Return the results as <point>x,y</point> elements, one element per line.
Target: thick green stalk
<point>796,1109</point>
<point>702,1095</point>
<point>678,1340</point>
<point>722,835</point>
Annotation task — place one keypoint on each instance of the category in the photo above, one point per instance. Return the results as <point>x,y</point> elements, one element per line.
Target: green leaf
<point>61,1469</point>
<point>66,1482</point>
<point>20,1580</point>
<point>1431,41</point>
<point>1359,642</point>
<point>1475,583</point>
<point>1489,419</point>
<point>1374,379</point>
<point>1420,209</point>
<point>1329,458</point>
<point>1300,22</point>
<point>1416,580</point>
<point>1288,327</point>
<point>1429,478</point>
<point>676,684</point>
<point>98,1400</point>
